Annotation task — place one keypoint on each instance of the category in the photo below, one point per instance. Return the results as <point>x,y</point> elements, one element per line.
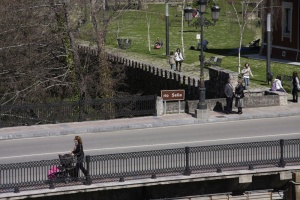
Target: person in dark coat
<point>78,152</point>
<point>228,90</point>
<point>239,96</point>
<point>295,87</point>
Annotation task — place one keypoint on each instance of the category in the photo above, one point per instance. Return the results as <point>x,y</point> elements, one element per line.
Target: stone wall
<point>145,75</point>
<point>216,102</point>
<point>217,79</point>
<point>156,1</point>
<point>258,99</point>
<point>150,76</point>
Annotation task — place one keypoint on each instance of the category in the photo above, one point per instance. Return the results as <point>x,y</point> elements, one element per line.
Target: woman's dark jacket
<point>79,152</point>
<point>295,81</point>
<point>239,91</point>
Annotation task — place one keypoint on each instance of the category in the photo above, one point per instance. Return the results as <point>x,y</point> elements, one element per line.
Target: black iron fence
<point>100,109</point>
<point>152,164</point>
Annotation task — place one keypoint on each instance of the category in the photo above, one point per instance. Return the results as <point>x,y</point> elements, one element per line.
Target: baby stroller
<point>66,168</point>
<point>65,171</point>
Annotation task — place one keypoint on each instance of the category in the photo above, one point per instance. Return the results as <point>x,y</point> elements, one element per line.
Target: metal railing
<point>74,111</point>
<point>157,163</point>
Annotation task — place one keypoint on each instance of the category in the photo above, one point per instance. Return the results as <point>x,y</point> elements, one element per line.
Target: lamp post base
<point>201,114</point>
<point>202,104</point>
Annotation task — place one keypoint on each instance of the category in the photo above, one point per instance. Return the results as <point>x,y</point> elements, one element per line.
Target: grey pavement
<point>292,109</point>
<point>259,57</point>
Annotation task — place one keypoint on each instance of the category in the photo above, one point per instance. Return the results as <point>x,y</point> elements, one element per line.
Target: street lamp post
<point>188,14</point>
<point>215,11</point>
<point>167,27</point>
<point>269,76</point>
<point>202,104</point>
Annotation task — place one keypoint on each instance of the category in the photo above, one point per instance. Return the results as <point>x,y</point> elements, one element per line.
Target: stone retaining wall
<point>259,99</point>
<point>214,86</point>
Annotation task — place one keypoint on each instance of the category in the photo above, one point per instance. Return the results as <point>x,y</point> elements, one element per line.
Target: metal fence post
<point>16,189</point>
<point>0,117</point>
<point>187,170</point>
<point>80,102</point>
<point>88,176</point>
<point>51,184</point>
<point>155,105</point>
<point>281,162</point>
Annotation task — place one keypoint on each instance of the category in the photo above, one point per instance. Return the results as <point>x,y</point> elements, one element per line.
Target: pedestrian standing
<point>79,153</point>
<point>246,72</point>
<point>239,96</point>
<point>228,90</point>
<point>178,59</point>
<point>296,87</point>
<point>172,60</point>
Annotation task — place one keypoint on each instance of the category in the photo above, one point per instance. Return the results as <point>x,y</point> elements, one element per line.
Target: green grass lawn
<point>223,38</point>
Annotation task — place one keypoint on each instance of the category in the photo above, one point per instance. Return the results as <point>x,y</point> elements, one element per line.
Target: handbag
<point>298,85</point>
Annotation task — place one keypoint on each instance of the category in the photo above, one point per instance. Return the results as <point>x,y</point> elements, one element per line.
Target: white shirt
<point>278,84</point>
<point>178,56</point>
<point>247,72</point>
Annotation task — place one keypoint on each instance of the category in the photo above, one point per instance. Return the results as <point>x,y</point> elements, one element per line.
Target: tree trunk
<point>105,80</point>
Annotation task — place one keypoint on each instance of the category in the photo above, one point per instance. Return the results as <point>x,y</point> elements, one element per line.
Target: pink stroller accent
<point>52,173</point>
<point>65,171</point>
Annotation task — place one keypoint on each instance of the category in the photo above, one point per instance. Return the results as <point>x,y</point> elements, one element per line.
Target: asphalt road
<point>44,148</point>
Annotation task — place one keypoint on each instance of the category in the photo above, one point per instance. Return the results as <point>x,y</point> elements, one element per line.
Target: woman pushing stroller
<point>66,170</point>
<point>78,152</point>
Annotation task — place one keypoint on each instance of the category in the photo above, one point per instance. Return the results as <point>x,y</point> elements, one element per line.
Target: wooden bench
<point>215,61</point>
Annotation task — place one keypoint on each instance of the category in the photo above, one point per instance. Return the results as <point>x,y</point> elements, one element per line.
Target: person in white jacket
<point>178,59</point>
<point>278,85</point>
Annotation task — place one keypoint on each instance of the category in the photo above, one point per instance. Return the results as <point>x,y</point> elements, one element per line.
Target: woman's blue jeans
<point>246,81</point>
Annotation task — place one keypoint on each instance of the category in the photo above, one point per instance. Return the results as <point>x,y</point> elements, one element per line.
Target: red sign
<point>172,95</point>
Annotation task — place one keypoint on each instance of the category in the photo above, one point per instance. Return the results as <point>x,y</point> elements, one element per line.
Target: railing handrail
<point>167,162</point>
<point>76,111</point>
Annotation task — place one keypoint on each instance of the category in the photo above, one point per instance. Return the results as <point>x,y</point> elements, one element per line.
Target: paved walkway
<point>292,109</point>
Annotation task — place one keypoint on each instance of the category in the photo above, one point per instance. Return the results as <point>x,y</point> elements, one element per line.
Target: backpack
<point>274,86</point>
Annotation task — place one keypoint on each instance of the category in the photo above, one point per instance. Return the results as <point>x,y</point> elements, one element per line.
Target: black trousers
<point>229,101</point>
<point>178,62</point>
<point>295,93</point>
<point>79,165</point>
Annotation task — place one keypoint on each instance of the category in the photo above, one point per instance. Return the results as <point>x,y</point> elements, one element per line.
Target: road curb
<point>66,129</point>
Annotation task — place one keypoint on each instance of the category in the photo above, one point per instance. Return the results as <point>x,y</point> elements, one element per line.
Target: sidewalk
<point>292,109</point>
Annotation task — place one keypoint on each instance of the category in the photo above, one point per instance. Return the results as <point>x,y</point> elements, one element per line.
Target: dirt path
<point>191,70</point>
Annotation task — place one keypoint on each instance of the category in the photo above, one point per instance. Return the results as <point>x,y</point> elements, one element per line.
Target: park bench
<point>215,61</point>
<point>124,43</point>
